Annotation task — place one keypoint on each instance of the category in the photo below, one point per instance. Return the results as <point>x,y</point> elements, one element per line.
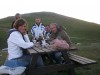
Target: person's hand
<point>34,41</point>
<point>43,43</point>
<point>25,31</point>
<point>54,46</point>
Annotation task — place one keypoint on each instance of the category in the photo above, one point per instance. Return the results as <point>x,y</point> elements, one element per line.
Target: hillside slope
<point>78,30</point>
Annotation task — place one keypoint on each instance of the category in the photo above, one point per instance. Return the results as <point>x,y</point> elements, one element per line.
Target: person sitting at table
<point>57,34</point>
<point>38,29</point>
<point>18,41</point>
<point>47,34</point>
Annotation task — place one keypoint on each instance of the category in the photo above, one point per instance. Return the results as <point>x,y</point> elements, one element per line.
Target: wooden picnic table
<point>73,61</point>
<point>36,51</point>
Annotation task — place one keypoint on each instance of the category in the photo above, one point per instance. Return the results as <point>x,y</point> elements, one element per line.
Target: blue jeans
<point>23,61</point>
<point>57,57</point>
<point>39,62</point>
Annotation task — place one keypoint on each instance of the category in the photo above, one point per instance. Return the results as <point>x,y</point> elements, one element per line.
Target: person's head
<point>21,25</point>
<point>53,27</point>
<point>17,16</point>
<point>37,21</point>
<point>47,28</point>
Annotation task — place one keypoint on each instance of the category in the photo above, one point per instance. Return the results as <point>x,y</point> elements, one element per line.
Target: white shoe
<point>4,70</point>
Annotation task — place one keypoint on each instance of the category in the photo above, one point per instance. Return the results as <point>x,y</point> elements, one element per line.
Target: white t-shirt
<point>15,41</point>
<point>37,30</point>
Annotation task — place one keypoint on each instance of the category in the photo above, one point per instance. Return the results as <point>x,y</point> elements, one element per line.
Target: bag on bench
<point>12,71</point>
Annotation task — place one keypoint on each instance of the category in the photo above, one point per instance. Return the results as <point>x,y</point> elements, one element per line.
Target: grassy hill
<point>86,33</point>
<point>74,27</point>
<point>78,30</point>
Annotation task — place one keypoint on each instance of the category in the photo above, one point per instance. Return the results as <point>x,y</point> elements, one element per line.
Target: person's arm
<point>44,31</point>
<point>32,31</point>
<point>26,38</point>
<point>66,37</point>
<point>17,39</point>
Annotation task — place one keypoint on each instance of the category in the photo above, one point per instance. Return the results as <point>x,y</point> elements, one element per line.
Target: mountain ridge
<point>74,27</point>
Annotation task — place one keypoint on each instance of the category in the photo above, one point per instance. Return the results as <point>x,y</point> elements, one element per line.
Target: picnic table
<point>72,61</point>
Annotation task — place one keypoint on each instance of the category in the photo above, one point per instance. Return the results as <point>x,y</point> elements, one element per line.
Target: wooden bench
<point>81,61</point>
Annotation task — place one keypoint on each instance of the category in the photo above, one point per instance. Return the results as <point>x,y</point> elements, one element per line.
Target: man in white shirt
<point>38,29</point>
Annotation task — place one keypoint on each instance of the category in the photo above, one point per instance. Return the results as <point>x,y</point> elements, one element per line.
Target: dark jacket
<point>61,35</point>
<point>12,25</point>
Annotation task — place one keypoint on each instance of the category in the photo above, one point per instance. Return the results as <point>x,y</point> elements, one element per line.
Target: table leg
<point>32,64</point>
<point>66,57</point>
<point>71,71</point>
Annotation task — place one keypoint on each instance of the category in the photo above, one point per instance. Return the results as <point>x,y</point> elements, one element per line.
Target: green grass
<point>3,57</point>
<point>74,27</point>
<point>91,51</point>
<point>3,39</point>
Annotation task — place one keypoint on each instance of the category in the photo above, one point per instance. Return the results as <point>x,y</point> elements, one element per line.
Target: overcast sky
<point>88,10</point>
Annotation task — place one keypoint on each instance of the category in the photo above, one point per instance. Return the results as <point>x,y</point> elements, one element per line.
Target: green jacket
<point>61,35</point>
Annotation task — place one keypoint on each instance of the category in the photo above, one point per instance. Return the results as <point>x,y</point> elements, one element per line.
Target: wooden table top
<point>41,50</point>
